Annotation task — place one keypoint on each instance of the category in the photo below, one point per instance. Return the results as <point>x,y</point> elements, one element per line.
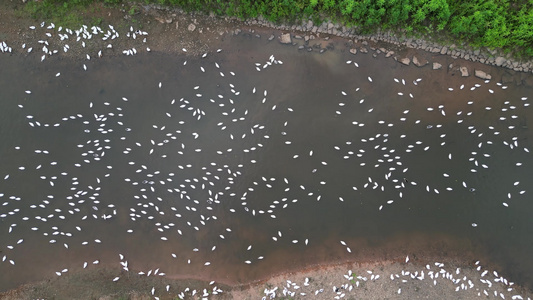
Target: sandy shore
<point>446,279</point>
<point>171,32</point>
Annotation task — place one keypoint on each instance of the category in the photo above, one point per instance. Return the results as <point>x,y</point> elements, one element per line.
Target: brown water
<point>139,163</point>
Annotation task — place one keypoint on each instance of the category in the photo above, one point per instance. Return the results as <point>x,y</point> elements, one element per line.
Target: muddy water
<point>319,153</point>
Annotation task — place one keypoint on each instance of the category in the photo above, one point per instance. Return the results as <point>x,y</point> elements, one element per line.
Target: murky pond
<point>256,160</point>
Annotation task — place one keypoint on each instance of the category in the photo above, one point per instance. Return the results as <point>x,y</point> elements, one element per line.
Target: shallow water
<point>149,162</point>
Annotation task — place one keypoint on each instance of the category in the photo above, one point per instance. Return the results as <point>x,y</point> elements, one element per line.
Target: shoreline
<point>206,28</point>
<point>405,279</point>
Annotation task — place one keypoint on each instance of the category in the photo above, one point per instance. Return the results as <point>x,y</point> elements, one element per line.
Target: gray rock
<point>285,38</point>
<point>444,50</point>
<point>353,51</point>
<point>191,27</point>
<point>389,54</point>
<point>499,61</point>
<point>271,37</point>
<point>406,61</point>
<point>437,66</point>
<point>507,78</point>
<point>363,50</point>
<point>419,62</point>
<point>482,75</point>
<point>464,71</point>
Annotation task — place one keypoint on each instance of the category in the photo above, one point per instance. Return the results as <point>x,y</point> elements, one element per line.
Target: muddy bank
<point>406,279</point>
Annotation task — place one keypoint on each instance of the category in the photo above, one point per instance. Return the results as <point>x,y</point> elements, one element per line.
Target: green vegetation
<point>505,24</point>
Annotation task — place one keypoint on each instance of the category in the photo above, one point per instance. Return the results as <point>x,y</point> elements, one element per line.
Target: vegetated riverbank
<point>491,32</point>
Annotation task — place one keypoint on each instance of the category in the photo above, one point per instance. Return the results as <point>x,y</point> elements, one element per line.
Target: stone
<point>507,78</point>
<point>406,61</point>
<point>353,51</point>
<point>271,37</point>
<point>285,38</point>
<point>437,66</point>
<point>482,75</point>
<point>499,61</point>
<point>464,71</point>
<point>419,62</point>
<point>444,50</point>
<point>363,50</point>
<point>191,27</point>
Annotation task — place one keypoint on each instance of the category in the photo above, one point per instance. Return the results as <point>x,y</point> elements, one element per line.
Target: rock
<point>437,66</point>
<point>363,50</point>
<point>169,21</point>
<point>444,50</point>
<point>406,61</point>
<point>177,25</point>
<point>353,51</point>
<point>507,78</point>
<point>389,54</point>
<point>285,38</point>
<point>271,37</point>
<point>482,75</point>
<point>528,81</point>
<point>191,27</point>
<point>419,62</point>
<point>499,61</point>
<point>464,71</point>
